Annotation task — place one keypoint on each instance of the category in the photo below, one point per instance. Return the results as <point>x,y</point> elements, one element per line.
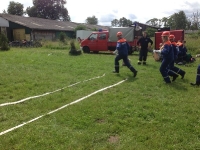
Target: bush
<point>151,32</point>
<point>80,27</point>
<point>62,37</point>
<point>4,42</point>
<point>73,50</point>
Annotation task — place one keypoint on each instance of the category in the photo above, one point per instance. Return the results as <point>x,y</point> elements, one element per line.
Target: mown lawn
<point>141,113</point>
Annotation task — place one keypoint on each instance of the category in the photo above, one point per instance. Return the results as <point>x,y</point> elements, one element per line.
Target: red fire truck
<point>107,40</point>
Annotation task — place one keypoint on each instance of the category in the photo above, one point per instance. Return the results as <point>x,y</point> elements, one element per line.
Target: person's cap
<point>119,34</point>
<point>165,33</point>
<point>171,37</point>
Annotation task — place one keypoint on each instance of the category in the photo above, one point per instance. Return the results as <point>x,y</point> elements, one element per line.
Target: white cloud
<point>141,11</point>
<point>107,10</point>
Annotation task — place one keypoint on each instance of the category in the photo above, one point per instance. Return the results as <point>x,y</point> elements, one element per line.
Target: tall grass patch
<point>192,44</point>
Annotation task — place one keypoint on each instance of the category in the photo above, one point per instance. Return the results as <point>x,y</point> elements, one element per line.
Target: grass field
<point>141,113</point>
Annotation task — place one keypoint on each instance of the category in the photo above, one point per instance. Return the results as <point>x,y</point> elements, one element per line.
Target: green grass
<point>192,43</point>
<point>142,113</point>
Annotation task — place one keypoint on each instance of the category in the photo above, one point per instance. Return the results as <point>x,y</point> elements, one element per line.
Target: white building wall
<point>3,22</point>
<point>83,34</point>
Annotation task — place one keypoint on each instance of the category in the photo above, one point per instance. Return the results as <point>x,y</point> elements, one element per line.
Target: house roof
<point>46,24</point>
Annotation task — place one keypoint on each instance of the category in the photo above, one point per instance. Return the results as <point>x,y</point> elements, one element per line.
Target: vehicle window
<point>93,37</point>
<point>102,36</point>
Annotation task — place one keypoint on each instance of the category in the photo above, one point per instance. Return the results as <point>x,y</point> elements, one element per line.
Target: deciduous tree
<point>151,32</point>
<point>123,22</point>
<point>115,23</point>
<point>164,21</point>
<point>4,11</point>
<point>153,22</point>
<point>49,9</point>
<point>194,21</point>
<point>177,20</point>
<point>92,20</point>
<point>181,21</point>
<point>15,8</point>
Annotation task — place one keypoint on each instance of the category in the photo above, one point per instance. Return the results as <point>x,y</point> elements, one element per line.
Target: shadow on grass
<point>132,79</point>
<point>129,78</point>
<point>149,65</point>
<point>179,84</point>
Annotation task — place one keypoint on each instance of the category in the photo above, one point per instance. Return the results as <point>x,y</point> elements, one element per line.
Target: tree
<point>177,21</point>
<point>32,11</point>
<point>129,22</point>
<point>164,21</point>
<point>64,15</point>
<point>15,8</point>
<point>123,22</point>
<point>171,22</point>
<point>4,11</point>
<point>194,21</point>
<point>49,9</point>
<point>181,20</point>
<point>159,23</point>
<point>92,20</point>
<point>153,22</point>
<point>115,23</point>
<point>80,27</point>
<point>151,32</point>
<point>189,24</point>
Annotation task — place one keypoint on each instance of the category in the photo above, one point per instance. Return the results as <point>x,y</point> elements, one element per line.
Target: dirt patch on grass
<point>113,139</point>
<point>100,120</point>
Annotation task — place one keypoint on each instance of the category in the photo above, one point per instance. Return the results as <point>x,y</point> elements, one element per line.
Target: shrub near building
<point>4,43</point>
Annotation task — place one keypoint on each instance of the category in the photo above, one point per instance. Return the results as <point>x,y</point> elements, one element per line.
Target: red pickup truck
<point>107,40</point>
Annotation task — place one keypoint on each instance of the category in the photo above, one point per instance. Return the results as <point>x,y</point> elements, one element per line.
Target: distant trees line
<point>176,21</point>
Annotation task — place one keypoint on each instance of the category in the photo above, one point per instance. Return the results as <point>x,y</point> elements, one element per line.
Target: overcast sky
<point>107,10</point>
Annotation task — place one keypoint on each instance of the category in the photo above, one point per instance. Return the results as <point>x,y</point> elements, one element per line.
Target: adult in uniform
<point>144,43</point>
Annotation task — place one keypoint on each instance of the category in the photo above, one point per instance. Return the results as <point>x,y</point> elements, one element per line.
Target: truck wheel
<point>86,49</point>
